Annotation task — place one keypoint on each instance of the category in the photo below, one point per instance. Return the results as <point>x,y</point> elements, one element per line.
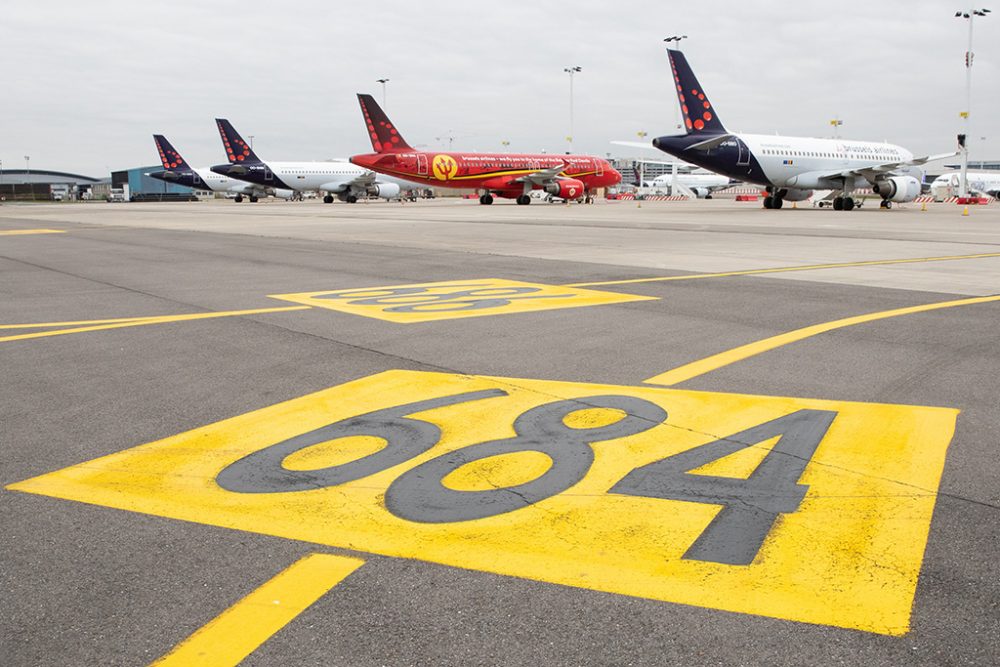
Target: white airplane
<point>338,178</point>
<point>684,178</point>
<point>789,168</point>
<point>177,170</point>
<point>979,182</point>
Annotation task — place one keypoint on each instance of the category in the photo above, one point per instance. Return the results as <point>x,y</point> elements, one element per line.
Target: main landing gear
<point>253,199</point>
<point>843,204</point>
<point>238,199</point>
<point>487,199</point>
<point>885,203</point>
<point>524,200</point>
<point>328,199</point>
<point>773,201</point>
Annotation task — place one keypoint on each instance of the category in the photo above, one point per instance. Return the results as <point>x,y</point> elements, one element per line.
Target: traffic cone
<point>965,211</point>
<point>923,206</point>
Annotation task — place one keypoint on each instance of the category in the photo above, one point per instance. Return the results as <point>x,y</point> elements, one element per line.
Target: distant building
<point>145,188</point>
<point>42,184</point>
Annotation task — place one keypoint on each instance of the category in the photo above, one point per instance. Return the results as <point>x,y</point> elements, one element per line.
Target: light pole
<point>642,137</point>
<point>674,38</point>
<point>383,82</point>
<point>571,71</point>
<point>963,188</point>
<point>836,122</point>
<point>27,167</point>
<point>505,144</point>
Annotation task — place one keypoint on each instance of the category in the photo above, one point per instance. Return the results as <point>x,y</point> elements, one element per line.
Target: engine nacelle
<point>567,188</point>
<point>385,190</point>
<point>897,188</point>
<point>701,193</point>
<point>795,194</point>
<point>283,193</point>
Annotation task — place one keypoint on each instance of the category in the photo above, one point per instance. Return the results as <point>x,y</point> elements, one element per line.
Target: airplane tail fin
<point>237,150</point>
<point>384,135</point>
<point>170,158</point>
<point>699,115</point>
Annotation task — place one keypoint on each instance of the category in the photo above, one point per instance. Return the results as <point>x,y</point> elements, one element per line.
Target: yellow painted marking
<point>848,556</point>
<point>25,232</point>
<point>716,361</point>
<point>41,325</point>
<point>425,302</point>
<point>238,631</point>
<point>133,322</point>
<point>786,269</point>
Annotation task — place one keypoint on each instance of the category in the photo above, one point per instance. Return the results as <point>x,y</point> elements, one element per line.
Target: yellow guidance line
<point>238,631</point>
<point>787,269</point>
<point>100,325</point>
<point>23,232</point>
<point>717,361</point>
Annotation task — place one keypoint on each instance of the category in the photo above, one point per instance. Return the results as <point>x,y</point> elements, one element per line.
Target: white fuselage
<point>692,180</point>
<point>220,183</point>
<point>803,162</point>
<point>984,182</point>
<point>333,176</point>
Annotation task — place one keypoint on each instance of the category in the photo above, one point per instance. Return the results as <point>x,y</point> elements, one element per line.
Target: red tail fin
<point>385,137</point>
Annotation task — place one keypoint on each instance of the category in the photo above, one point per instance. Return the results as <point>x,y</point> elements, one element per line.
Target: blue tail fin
<point>170,158</point>
<point>237,150</point>
<point>699,115</point>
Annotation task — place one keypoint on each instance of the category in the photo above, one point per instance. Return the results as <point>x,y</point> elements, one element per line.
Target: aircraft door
<point>599,168</point>
<point>268,176</point>
<point>421,164</point>
<point>743,158</point>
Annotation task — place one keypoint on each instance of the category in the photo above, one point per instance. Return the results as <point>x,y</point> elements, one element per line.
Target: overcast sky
<point>84,85</point>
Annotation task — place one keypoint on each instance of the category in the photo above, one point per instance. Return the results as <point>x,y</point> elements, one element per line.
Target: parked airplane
<point>503,174</point>
<point>335,177</point>
<point>176,170</point>
<point>980,182</point>
<point>701,183</point>
<point>789,167</point>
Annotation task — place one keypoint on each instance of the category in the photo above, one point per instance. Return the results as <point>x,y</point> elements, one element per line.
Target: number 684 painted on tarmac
<point>749,506</point>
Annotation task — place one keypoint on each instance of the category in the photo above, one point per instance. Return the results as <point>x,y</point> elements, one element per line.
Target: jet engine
<point>567,188</point>
<point>283,193</point>
<point>385,190</point>
<point>897,188</point>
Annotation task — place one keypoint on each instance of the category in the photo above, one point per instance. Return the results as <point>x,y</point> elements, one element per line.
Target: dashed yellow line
<point>100,325</point>
<point>238,631</point>
<point>787,269</point>
<point>23,232</point>
<point>717,361</point>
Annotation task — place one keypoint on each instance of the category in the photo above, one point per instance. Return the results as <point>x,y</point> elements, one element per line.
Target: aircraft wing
<point>363,183</point>
<point>542,176</point>
<point>880,169</point>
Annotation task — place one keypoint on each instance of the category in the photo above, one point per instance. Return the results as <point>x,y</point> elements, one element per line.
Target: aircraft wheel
<point>848,203</point>
<point>486,199</point>
<point>238,199</point>
<point>351,199</point>
<point>253,199</point>
<point>524,200</point>
<point>838,203</point>
<point>778,201</point>
<point>768,202</point>
<point>328,199</point>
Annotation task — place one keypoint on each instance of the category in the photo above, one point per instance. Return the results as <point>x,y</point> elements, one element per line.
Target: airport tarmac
<point>440,433</point>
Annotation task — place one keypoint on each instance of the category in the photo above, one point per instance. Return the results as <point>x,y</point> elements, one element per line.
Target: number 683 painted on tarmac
<point>749,506</point>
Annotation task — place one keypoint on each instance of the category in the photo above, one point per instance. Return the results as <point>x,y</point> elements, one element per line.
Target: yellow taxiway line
<point>788,269</point>
<point>239,630</point>
<point>24,232</point>
<point>100,325</point>
<point>717,361</point>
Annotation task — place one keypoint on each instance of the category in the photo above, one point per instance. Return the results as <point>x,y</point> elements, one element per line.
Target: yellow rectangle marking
<point>426,302</point>
<point>847,552</point>
<point>234,634</point>
<point>25,232</point>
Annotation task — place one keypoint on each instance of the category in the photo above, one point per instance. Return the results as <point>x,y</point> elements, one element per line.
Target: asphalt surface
<point>90,582</point>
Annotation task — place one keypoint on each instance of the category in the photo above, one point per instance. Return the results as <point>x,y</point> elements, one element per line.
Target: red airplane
<point>504,174</point>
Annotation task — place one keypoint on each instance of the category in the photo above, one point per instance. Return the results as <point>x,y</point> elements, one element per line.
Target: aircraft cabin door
<point>599,168</point>
<point>743,159</point>
<point>421,164</point>
<point>268,176</point>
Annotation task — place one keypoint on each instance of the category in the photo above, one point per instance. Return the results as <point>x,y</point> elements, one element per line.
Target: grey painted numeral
<point>419,299</point>
<point>750,506</point>
<point>419,494</point>
<point>405,437</point>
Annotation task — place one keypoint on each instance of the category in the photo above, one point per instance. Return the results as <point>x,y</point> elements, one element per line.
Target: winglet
<point>384,135</point>
<point>237,150</point>
<point>170,158</point>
